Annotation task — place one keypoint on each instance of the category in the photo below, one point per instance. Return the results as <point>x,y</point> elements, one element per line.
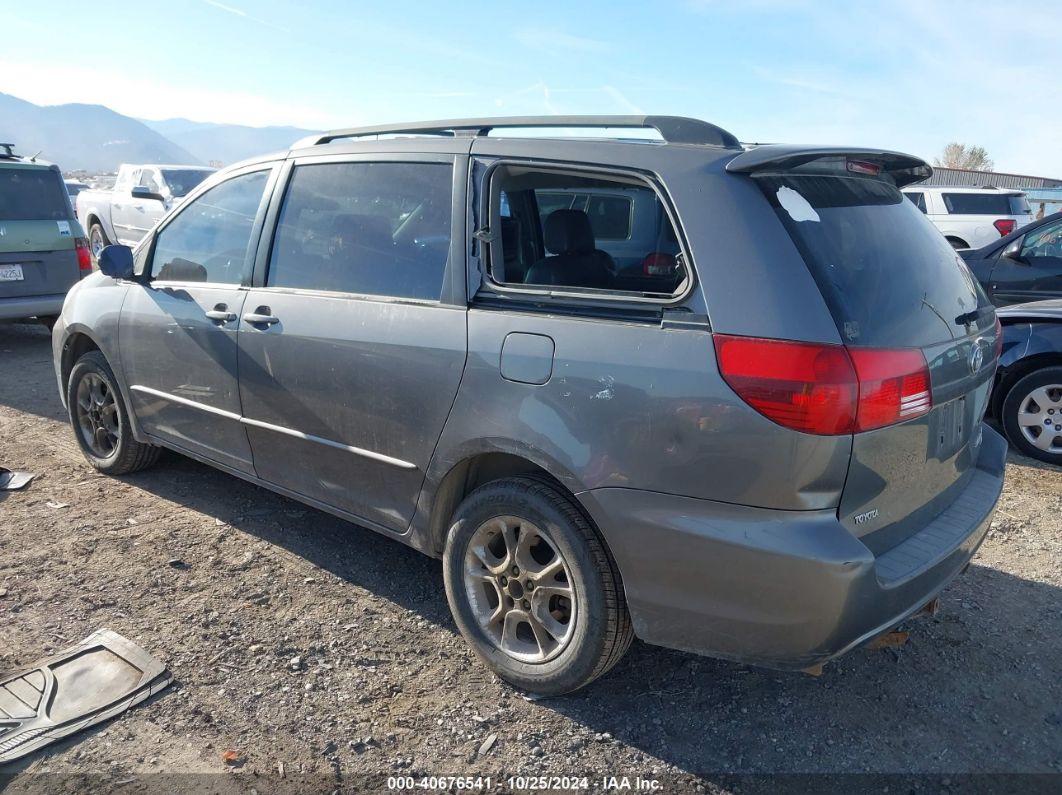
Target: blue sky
<point>902,74</point>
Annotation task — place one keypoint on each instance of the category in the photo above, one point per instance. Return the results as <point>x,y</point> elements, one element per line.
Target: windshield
<point>32,194</point>
<point>889,278</point>
<point>182,180</point>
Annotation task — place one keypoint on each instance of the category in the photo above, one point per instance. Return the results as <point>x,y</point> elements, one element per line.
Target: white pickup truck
<point>142,195</point>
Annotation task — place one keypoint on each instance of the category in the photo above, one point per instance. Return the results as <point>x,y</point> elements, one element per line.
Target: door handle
<point>221,314</point>
<point>261,316</point>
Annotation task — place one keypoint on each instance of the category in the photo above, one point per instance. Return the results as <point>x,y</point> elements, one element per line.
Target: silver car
<point>765,445</point>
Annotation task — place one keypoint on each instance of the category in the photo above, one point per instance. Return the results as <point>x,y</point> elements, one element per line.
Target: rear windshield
<point>35,194</point>
<point>182,180</point>
<point>886,273</point>
<point>986,204</point>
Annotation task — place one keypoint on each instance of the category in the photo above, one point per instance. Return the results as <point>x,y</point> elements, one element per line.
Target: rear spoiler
<point>904,169</point>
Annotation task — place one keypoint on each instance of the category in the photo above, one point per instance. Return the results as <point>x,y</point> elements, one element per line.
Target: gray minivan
<point>768,447</point>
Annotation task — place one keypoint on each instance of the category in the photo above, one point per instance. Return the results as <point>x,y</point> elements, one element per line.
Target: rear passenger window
<point>578,231</point>
<point>365,228</point>
<point>208,240</point>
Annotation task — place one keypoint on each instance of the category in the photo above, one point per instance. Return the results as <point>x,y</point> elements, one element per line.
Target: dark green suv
<point>43,252</point>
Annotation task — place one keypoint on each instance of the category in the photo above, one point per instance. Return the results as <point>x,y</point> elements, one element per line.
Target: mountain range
<point>95,138</point>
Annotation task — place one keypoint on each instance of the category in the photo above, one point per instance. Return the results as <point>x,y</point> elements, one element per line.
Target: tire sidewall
<point>93,362</point>
<point>578,661</point>
<point>1012,404</point>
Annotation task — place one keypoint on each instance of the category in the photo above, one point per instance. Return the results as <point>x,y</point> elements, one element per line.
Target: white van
<point>972,217</point>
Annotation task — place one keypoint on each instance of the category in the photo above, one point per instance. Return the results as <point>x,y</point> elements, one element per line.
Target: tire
<point>1036,401</point>
<point>957,244</point>
<point>100,419</point>
<point>545,642</point>
<point>97,239</point>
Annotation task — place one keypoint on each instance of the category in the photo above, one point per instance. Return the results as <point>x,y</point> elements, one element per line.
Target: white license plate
<point>10,273</point>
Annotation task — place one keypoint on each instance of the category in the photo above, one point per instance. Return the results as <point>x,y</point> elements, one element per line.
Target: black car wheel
<point>1032,415</point>
<point>532,588</point>
<point>100,419</point>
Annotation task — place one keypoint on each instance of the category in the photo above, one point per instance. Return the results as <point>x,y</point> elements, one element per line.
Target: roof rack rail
<point>9,150</point>
<point>673,129</point>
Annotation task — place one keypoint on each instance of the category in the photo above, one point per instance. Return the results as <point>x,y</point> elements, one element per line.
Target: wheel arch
<point>94,218</point>
<point>466,476</point>
<point>81,340</point>
<point>76,345</point>
<point>1018,371</point>
<point>449,481</point>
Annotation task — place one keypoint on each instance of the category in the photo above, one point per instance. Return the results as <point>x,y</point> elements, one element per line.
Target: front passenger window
<point>1044,242</point>
<point>209,240</point>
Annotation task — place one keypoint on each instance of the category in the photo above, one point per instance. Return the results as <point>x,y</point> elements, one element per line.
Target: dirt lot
<point>383,685</point>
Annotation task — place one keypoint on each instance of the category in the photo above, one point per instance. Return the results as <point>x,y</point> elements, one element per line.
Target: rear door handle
<point>261,316</point>
<point>221,314</point>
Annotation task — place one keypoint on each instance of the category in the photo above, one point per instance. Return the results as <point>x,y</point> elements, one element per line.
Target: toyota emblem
<point>977,357</point>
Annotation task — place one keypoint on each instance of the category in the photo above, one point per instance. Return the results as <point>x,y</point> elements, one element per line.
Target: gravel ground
<point>308,645</point>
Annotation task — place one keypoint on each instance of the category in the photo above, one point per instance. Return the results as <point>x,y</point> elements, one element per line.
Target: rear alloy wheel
<point>532,588</point>
<point>100,419</point>
<point>1032,415</point>
<point>519,587</point>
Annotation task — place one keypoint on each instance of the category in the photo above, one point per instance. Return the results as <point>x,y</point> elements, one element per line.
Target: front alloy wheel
<point>97,240</point>
<point>97,415</point>
<point>100,419</point>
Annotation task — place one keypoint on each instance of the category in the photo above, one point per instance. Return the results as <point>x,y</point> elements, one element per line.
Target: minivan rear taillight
<point>825,389</point>
<point>84,256</point>
<point>893,386</point>
<point>1005,226</point>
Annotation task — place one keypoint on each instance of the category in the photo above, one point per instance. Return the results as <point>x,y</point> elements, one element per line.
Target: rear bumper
<point>782,589</point>
<point>31,306</point>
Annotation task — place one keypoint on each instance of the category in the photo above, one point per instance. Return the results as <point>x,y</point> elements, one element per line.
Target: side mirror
<point>140,192</point>
<point>1013,251</point>
<point>116,262</point>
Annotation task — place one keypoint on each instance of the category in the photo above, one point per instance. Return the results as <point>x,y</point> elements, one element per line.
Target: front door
<point>352,347</point>
<point>178,331</point>
<point>1036,274</point>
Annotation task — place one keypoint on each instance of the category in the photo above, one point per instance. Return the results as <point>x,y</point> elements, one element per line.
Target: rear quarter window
<point>32,195</point>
